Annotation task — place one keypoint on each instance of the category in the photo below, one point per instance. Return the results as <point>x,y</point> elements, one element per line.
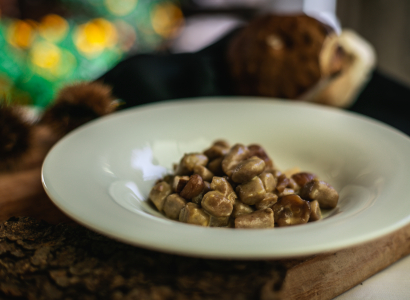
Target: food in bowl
<point>240,187</point>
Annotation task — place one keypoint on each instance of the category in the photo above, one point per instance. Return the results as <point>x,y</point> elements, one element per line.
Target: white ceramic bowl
<point>101,174</point>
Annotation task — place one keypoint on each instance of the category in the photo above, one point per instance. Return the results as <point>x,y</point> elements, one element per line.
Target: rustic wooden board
<point>329,275</point>
<point>49,262</point>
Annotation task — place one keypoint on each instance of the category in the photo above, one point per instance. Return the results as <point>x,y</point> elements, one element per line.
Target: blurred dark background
<point>45,44</point>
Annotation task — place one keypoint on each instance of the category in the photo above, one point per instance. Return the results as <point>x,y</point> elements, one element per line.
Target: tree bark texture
<point>43,261</point>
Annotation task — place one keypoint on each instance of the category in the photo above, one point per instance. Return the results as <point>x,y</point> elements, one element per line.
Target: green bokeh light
<point>24,79</point>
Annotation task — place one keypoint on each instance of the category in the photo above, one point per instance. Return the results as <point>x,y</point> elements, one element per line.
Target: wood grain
<point>326,276</point>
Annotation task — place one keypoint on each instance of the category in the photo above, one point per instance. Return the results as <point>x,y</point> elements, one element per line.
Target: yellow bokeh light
<point>120,7</point>
<point>45,55</point>
<point>167,19</point>
<point>92,37</point>
<point>50,61</point>
<point>53,28</point>
<point>21,33</point>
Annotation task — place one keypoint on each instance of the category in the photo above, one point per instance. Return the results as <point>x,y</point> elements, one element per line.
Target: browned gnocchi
<point>240,187</point>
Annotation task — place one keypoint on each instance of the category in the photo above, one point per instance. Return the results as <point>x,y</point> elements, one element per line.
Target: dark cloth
<point>386,100</point>
<point>148,78</point>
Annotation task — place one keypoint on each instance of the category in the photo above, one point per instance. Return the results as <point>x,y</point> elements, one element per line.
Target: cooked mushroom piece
<point>315,212</point>
<point>203,172</point>
<point>173,205</point>
<point>321,191</point>
<point>269,181</point>
<point>216,204</point>
<point>237,154</point>
<point>302,178</point>
<point>267,202</point>
<point>193,188</point>
<point>258,219</point>
<point>158,193</point>
<point>257,150</point>
<point>189,161</point>
<point>240,209</point>
<point>251,192</point>
<point>291,210</point>
<point>220,184</point>
<point>218,149</point>
<point>192,214</point>
<point>247,169</point>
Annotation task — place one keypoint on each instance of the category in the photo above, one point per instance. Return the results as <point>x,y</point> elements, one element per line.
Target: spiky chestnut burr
<point>78,104</point>
<point>14,135</point>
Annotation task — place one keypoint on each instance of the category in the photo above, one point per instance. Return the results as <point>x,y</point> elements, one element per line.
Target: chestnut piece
<point>193,188</point>
<point>240,209</point>
<point>258,219</point>
<point>220,184</point>
<point>287,191</point>
<point>292,184</point>
<point>173,205</point>
<point>237,154</point>
<point>269,181</point>
<point>215,166</point>
<point>198,199</point>
<point>315,212</point>
<point>158,193</point>
<point>321,191</point>
<point>283,182</point>
<point>216,204</point>
<point>218,221</point>
<point>218,149</point>
<point>189,161</point>
<point>302,178</point>
<point>203,172</point>
<point>247,169</point>
<point>192,214</point>
<point>291,210</point>
<point>267,202</point>
<point>251,192</point>
<point>179,183</point>
<point>257,150</point>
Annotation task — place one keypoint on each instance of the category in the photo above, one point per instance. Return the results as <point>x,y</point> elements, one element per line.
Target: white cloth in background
<point>202,30</point>
<point>322,10</point>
